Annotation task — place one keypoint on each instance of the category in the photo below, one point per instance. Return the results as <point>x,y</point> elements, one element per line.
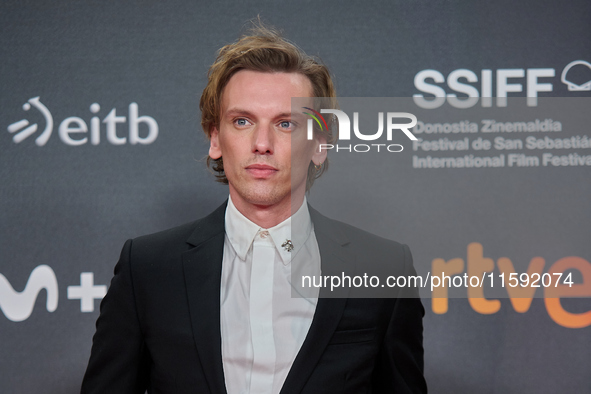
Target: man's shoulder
<point>346,233</point>
<point>183,236</point>
<point>178,234</point>
<point>361,253</point>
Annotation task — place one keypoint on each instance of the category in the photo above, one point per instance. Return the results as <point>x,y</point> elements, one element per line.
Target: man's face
<point>258,139</point>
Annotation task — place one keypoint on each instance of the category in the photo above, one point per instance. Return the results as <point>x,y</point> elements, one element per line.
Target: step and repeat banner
<point>489,183</point>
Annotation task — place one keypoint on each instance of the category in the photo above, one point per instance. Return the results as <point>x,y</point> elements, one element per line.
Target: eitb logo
<point>75,131</point>
<point>22,128</point>
<point>344,128</point>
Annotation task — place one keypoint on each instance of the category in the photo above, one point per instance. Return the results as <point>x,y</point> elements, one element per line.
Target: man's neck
<point>268,216</point>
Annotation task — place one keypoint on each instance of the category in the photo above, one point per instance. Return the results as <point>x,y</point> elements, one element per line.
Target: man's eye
<point>285,124</point>
<point>241,122</point>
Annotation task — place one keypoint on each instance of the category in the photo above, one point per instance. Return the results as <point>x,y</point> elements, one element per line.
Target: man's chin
<point>264,198</point>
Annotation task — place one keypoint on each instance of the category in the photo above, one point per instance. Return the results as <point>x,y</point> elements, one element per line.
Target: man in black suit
<point>206,307</point>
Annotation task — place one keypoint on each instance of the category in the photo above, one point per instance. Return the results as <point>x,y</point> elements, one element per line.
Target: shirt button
<point>264,234</point>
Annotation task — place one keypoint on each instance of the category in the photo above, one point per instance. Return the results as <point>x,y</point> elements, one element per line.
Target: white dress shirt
<point>262,326</point>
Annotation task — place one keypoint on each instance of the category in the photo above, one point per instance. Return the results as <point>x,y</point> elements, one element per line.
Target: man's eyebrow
<point>239,111</point>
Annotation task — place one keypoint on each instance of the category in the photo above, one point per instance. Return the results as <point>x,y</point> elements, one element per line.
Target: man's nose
<point>263,139</point>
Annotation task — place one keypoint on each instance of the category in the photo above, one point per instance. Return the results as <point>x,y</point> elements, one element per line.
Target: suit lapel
<point>202,266</point>
<point>334,260</point>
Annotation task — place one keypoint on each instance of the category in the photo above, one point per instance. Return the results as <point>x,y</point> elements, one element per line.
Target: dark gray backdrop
<point>72,207</point>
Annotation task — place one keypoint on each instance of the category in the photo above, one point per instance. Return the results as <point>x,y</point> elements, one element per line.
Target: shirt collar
<point>241,231</point>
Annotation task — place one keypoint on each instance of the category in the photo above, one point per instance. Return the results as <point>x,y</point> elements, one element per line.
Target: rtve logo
<point>345,129</point>
<point>74,131</point>
<point>576,75</point>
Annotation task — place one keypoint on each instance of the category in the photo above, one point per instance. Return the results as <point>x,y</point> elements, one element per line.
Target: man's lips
<point>261,170</point>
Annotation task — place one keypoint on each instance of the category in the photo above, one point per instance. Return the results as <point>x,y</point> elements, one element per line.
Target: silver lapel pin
<point>288,245</point>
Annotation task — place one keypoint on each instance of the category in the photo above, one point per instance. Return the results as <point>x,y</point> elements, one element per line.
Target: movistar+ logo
<point>18,306</point>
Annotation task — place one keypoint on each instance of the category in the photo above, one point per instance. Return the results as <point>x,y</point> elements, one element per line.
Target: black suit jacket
<point>159,325</point>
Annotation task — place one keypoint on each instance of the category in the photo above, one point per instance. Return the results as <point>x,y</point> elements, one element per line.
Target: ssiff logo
<point>496,83</point>
<point>572,86</point>
<point>345,129</point>
<point>74,131</point>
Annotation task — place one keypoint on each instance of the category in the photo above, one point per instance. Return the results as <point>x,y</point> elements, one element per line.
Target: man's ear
<point>320,151</point>
<point>215,150</point>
